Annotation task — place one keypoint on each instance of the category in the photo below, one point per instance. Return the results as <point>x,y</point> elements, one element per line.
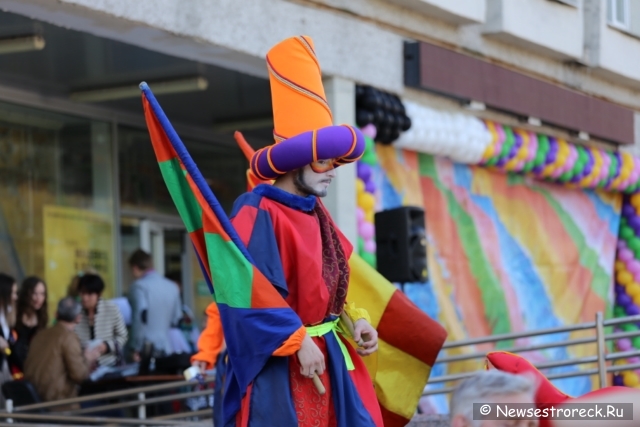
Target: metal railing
<point>139,397</point>
<point>600,359</point>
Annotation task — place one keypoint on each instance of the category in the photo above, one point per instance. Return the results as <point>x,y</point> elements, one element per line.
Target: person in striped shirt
<point>101,324</point>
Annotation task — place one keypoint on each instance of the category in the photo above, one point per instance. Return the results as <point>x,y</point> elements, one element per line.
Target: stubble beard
<point>305,188</point>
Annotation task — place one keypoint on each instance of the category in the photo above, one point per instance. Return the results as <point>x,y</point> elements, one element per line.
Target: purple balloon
<point>632,309</point>
<point>551,157</point>
<point>623,300</point>
<point>370,187</point>
<point>364,171</point>
<point>618,381</point>
<point>619,289</point>
<point>628,211</point>
<point>624,344</point>
<point>538,169</point>
<point>502,162</point>
<point>634,221</point>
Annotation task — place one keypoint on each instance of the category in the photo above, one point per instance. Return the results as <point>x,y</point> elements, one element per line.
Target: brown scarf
<point>335,266</point>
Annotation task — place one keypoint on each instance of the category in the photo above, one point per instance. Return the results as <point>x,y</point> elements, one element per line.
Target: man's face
<point>309,182</point>
<point>504,401</point>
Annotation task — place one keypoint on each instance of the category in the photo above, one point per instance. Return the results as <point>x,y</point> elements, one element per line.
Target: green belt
<point>324,329</point>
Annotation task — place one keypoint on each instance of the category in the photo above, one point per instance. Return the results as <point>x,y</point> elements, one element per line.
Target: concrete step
<point>429,421</point>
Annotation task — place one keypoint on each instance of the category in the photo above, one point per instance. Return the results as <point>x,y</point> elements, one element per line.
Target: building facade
<point>81,188</point>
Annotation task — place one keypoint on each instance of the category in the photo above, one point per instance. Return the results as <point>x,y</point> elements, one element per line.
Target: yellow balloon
<point>359,186</point>
<point>624,277</point>
<point>636,299</point>
<point>619,266</point>
<point>635,200</point>
<point>633,289</point>
<point>631,379</point>
<point>367,202</point>
<point>369,217</point>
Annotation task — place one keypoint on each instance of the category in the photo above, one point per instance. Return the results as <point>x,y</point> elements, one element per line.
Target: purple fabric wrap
<point>332,142</point>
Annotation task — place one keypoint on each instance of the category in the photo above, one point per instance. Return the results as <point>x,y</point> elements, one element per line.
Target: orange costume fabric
<point>211,341</point>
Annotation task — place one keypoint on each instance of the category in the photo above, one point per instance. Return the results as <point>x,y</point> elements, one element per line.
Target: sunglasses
<point>322,166</point>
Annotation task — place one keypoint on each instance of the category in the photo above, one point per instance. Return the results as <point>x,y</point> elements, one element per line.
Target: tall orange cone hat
<point>303,128</point>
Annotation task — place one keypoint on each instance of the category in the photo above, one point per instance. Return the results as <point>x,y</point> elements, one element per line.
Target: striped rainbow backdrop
<point>506,253</point>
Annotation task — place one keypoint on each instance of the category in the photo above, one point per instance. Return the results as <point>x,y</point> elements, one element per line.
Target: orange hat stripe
<point>314,147</point>
<point>354,141</point>
<point>305,43</point>
<point>256,169</point>
<point>271,163</point>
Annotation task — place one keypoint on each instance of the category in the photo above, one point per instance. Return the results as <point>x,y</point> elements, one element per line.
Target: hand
<point>136,357</point>
<point>102,349</point>
<point>3,344</point>
<point>311,358</point>
<point>91,355</point>
<point>201,365</point>
<point>366,336</point>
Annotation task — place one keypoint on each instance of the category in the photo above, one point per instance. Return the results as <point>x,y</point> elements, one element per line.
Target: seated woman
<point>32,316</point>
<point>101,324</point>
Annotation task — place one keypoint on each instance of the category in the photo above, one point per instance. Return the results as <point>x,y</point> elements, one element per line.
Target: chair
<point>21,392</point>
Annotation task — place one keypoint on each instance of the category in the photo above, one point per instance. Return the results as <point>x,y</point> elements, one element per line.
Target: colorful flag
<point>255,317</point>
<point>409,340</point>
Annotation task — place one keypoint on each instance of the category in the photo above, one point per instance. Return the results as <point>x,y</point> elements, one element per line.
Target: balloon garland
<point>461,137</point>
<point>556,160</point>
<point>627,287</point>
<point>383,110</point>
<point>366,201</point>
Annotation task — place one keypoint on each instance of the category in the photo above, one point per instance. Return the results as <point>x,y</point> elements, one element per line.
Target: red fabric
<point>363,383</point>
<point>312,409</point>
<point>300,245</point>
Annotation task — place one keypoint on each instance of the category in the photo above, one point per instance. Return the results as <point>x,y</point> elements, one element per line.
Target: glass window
<point>618,13</point>
<point>56,198</point>
<point>142,188</point>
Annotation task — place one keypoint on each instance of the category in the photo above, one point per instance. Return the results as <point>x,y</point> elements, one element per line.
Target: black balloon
<point>384,110</point>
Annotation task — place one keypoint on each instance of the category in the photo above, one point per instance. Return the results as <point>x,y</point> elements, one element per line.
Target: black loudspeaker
<point>401,242</point>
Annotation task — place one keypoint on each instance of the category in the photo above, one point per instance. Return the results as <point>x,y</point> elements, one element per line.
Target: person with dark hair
<point>32,315</point>
<point>101,325</point>
<point>8,298</point>
<point>56,364</point>
<point>155,307</point>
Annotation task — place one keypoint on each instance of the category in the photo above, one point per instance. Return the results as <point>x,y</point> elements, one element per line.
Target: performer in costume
<point>296,245</point>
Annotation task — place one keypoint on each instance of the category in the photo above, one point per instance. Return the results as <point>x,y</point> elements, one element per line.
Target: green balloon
<point>628,327</point>
<point>540,158</point>
<point>369,157</point>
<point>508,143</point>
<point>565,176</point>
<point>619,312</point>
<point>543,144</point>
<point>369,259</point>
<point>634,244</point>
<point>636,342</point>
<point>613,166</point>
<point>360,245</point>
<point>492,161</point>
<point>623,221</point>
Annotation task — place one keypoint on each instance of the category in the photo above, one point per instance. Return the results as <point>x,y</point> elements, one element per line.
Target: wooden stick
<point>318,384</point>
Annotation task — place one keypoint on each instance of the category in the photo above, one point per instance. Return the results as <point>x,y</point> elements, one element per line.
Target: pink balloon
<point>624,344</point>
<point>621,244</point>
<point>360,216</point>
<point>369,130</point>
<point>635,359</point>
<point>366,230</point>
<point>636,278</point>
<point>633,266</point>
<point>370,246</point>
<point>625,255</point>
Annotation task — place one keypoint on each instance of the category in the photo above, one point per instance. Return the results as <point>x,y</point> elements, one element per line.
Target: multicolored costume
<point>295,244</point>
